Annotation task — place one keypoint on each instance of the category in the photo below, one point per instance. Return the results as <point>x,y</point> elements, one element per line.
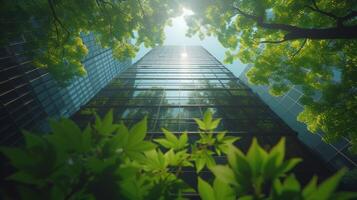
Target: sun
<point>184,55</point>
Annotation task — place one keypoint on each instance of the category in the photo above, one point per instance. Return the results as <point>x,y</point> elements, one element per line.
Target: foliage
<point>107,160</point>
<point>308,43</point>
<point>53,29</point>
<point>249,175</point>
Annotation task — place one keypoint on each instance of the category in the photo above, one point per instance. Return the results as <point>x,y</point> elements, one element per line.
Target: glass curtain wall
<point>173,84</point>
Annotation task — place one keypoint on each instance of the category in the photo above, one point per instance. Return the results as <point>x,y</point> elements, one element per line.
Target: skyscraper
<point>287,107</point>
<point>29,95</point>
<point>173,84</point>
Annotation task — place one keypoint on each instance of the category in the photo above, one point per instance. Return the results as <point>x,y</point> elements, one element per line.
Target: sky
<point>176,35</point>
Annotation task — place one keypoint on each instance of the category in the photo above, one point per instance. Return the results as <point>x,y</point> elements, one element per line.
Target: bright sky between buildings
<point>176,35</point>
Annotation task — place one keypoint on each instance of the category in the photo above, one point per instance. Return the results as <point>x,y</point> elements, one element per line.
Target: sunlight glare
<point>186,12</point>
<point>184,55</point>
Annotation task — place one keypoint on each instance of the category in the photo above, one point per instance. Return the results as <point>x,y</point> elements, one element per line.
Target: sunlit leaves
<point>248,173</point>
<point>311,64</point>
<point>171,141</point>
<point>207,123</point>
<point>220,190</point>
<point>56,41</point>
<point>203,158</point>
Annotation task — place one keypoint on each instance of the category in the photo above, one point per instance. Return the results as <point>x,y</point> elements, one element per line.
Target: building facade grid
<point>29,95</point>
<point>171,85</point>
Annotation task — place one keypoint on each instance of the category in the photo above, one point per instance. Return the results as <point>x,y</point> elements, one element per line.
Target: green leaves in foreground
<point>207,123</point>
<point>107,160</point>
<point>248,175</point>
<point>171,141</point>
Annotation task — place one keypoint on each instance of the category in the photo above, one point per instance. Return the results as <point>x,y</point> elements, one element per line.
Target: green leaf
<point>39,160</point>
<point>170,157</point>
<point>66,135</point>
<point>223,190</point>
<point>214,124</point>
<point>291,184</point>
<point>224,174</point>
<point>122,135</point>
<point>221,135</point>
<point>200,124</point>
<point>145,146</point>
<point>310,188</point>
<point>210,162</point>
<point>256,157</point>
<point>207,117</point>
<point>279,151</point>
<point>137,132</point>
<point>170,136</point>
<point>326,189</point>
<point>246,197</point>
<point>105,127</point>
<point>86,140</point>
<point>182,141</point>
<point>205,190</point>
<point>23,177</point>
<point>165,143</point>
<point>230,139</point>
<point>155,160</point>
<point>290,164</point>
<point>200,163</point>
<point>239,164</point>
<point>32,140</point>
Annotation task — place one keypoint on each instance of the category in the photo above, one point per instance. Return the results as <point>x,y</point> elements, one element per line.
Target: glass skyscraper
<point>29,95</point>
<point>173,84</point>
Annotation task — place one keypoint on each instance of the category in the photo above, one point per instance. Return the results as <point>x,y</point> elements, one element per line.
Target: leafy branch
<point>294,32</point>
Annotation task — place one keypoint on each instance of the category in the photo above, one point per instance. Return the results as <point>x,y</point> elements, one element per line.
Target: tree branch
<point>261,23</point>
<point>50,3</point>
<point>142,9</point>
<point>246,14</point>
<point>273,42</point>
<point>349,16</point>
<point>298,51</point>
<point>339,20</point>
<point>294,32</point>
<point>105,14</point>
<point>316,9</point>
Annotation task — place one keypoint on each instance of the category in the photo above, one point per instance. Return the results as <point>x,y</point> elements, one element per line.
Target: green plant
<point>107,160</point>
<point>264,175</point>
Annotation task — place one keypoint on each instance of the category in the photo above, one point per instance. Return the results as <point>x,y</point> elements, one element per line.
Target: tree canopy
<point>53,29</point>
<point>311,44</point>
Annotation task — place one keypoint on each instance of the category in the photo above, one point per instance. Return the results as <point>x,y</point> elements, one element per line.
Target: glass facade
<point>173,84</point>
<point>287,107</point>
<point>29,95</point>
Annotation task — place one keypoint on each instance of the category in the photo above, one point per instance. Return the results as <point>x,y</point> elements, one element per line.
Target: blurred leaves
<point>107,160</point>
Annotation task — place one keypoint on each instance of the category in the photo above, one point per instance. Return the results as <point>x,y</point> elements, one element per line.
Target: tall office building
<point>29,95</point>
<point>287,107</point>
<point>173,84</point>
